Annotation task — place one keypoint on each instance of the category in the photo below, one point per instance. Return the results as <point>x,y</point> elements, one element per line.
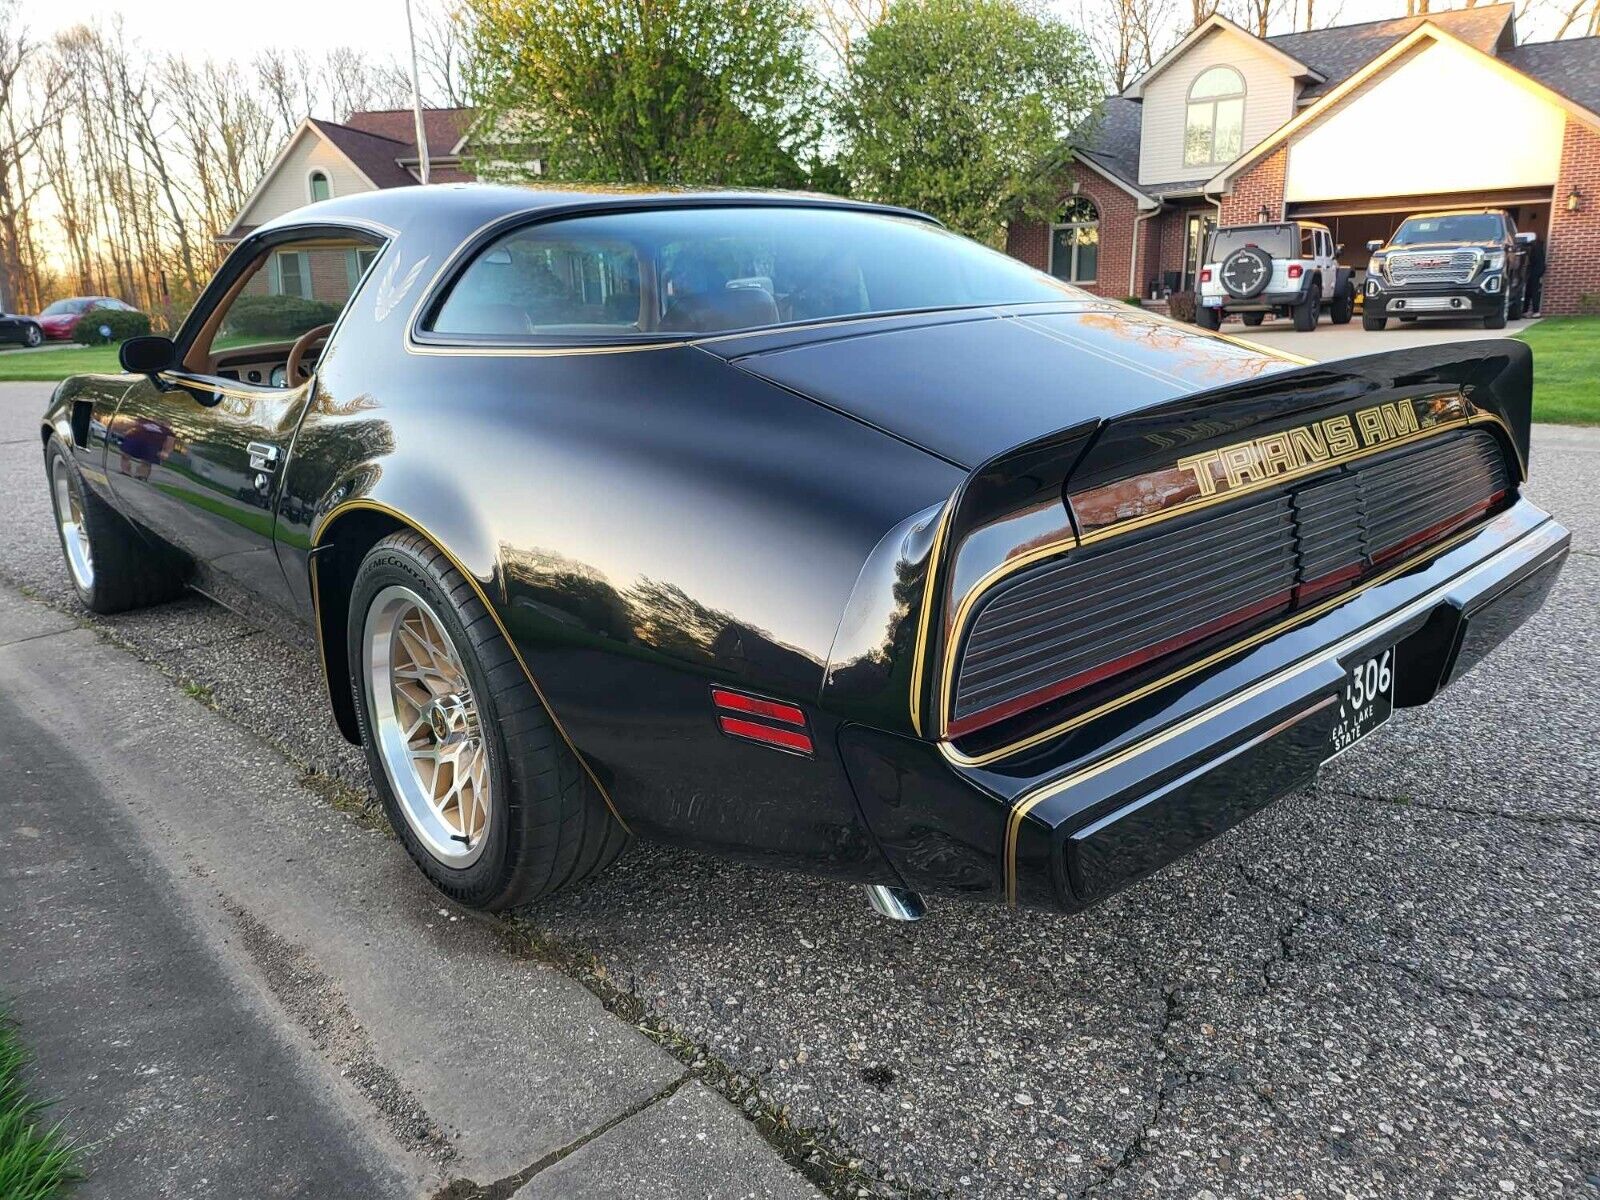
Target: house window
<point>319,186</point>
<point>1075,241</point>
<point>289,274</point>
<point>1214,131</point>
<point>356,263</point>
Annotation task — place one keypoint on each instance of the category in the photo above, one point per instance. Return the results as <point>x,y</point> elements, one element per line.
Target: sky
<point>207,28</point>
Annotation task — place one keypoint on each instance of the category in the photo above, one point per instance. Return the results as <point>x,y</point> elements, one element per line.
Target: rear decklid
<point>970,384</point>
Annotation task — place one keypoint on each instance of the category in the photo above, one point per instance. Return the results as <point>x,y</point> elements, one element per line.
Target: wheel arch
<point>340,545</point>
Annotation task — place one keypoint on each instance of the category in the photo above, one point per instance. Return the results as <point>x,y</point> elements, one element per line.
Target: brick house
<point>1355,126</point>
<point>369,150</point>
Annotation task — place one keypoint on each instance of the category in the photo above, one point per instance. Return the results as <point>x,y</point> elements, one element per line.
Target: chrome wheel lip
<point>409,733</point>
<point>70,523</point>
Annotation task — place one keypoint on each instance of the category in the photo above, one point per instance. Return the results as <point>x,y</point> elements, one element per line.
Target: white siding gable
<point>1484,131</point>
<point>288,189</point>
<point>1268,102</point>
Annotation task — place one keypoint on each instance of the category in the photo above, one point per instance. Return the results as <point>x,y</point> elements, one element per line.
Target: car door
<point>196,454</point>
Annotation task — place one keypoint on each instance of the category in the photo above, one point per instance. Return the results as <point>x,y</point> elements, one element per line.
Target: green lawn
<point>35,1163</point>
<point>70,359</point>
<point>57,364</point>
<point>1566,369</point>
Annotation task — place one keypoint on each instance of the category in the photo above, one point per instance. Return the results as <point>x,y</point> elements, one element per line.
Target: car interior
<point>270,327</point>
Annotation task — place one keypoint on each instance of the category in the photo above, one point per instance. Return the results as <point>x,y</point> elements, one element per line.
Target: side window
<point>288,291</point>
<point>1308,242</point>
<point>545,281</point>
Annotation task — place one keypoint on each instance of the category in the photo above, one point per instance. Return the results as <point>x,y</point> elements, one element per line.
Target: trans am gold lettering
<point>1341,437</point>
<point>1300,449</point>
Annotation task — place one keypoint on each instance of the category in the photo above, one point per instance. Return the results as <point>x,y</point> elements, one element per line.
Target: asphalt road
<point>1386,986</point>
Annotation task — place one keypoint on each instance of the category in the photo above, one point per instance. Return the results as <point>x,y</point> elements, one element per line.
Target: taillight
<point>1295,270</point>
<point>1205,274</point>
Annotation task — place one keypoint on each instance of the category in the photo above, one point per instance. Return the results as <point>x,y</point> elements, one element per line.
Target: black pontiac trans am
<point>799,531</point>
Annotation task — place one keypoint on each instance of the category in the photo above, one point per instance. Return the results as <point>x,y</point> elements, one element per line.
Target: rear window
<point>710,270</point>
<point>1458,227</point>
<point>1276,240</point>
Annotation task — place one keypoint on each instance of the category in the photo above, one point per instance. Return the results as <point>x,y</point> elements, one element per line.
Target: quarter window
<point>1075,241</point>
<point>1214,130</point>
<point>318,186</point>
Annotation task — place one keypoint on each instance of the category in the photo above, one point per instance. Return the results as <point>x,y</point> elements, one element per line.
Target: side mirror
<point>1338,249</point>
<point>1375,244</point>
<point>1528,238</point>
<point>148,355</point>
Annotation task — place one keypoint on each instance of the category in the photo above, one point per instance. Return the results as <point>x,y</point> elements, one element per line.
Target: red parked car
<point>57,320</point>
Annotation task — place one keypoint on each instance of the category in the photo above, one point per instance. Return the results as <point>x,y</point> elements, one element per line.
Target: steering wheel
<point>295,370</point>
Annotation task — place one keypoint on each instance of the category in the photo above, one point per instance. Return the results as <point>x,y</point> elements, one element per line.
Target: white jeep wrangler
<point>1290,268</point>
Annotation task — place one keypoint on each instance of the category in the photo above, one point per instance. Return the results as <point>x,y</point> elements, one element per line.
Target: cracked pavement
<point>1385,986</point>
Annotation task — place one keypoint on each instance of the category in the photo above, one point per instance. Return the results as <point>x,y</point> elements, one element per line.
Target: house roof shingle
<point>1343,50</point>
<point>375,156</point>
<point>444,126</point>
<point>1571,68</point>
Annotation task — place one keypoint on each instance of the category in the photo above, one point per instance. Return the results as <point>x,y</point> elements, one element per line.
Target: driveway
<point>1385,986</point>
<point>1329,341</point>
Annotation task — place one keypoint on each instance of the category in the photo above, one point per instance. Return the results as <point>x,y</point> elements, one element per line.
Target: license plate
<point>1211,301</point>
<point>1367,702</point>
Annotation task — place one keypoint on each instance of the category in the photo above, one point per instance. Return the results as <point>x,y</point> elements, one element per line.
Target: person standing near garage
<point>1533,290</point>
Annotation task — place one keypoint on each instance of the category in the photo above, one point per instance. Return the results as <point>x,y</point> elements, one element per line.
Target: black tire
<point>1373,322</point>
<point>1251,318</point>
<point>127,571</point>
<point>1245,273</point>
<point>549,826</point>
<point>1517,307</point>
<point>1307,311</point>
<point>1207,318</point>
<point>33,336</point>
<point>1343,306</point>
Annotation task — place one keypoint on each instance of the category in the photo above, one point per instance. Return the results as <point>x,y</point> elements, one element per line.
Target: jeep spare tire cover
<point>1246,271</point>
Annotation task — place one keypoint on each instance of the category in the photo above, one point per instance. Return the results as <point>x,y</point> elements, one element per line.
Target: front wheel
<point>111,567</point>
<point>1343,306</point>
<point>1307,312</point>
<point>1208,318</point>
<point>32,336</point>
<point>477,780</point>
<point>1252,318</point>
<point>1373,322</point>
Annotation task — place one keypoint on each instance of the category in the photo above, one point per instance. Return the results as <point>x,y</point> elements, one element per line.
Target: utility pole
<point>416,97</point>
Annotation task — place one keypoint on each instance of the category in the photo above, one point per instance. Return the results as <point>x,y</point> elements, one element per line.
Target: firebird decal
<point>390,293</point>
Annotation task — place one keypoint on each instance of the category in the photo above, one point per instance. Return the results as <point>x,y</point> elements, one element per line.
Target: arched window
<point>1214,131</point>
<point>1075,241</point>
<point>318,186</point>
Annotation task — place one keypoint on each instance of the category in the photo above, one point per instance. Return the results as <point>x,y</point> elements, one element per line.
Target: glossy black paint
<point>19,330</point>
<point>775,511</point>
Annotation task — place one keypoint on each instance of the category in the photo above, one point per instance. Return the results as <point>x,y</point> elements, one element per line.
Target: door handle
<point>263,456</point>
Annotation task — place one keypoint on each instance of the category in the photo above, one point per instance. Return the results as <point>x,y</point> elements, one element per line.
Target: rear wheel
<point>111,567</point>
<point>1208,318</point>
<point>32,336</point>
<point>1307,311</point>
<point>1253,318</point>
<point>485,794</point>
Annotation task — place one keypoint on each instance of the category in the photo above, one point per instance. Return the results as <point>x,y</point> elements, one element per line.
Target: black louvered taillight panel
<point>1064,620</point>
<point>1081,620</point>
<point>1404,497</point>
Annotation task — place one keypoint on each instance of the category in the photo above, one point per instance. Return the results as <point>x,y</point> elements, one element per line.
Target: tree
<point>1128,36</point>
<point>649,91</point>
<point>953,106</point>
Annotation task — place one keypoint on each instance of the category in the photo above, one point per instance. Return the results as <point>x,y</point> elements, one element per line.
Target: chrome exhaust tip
<point>895,903</point>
